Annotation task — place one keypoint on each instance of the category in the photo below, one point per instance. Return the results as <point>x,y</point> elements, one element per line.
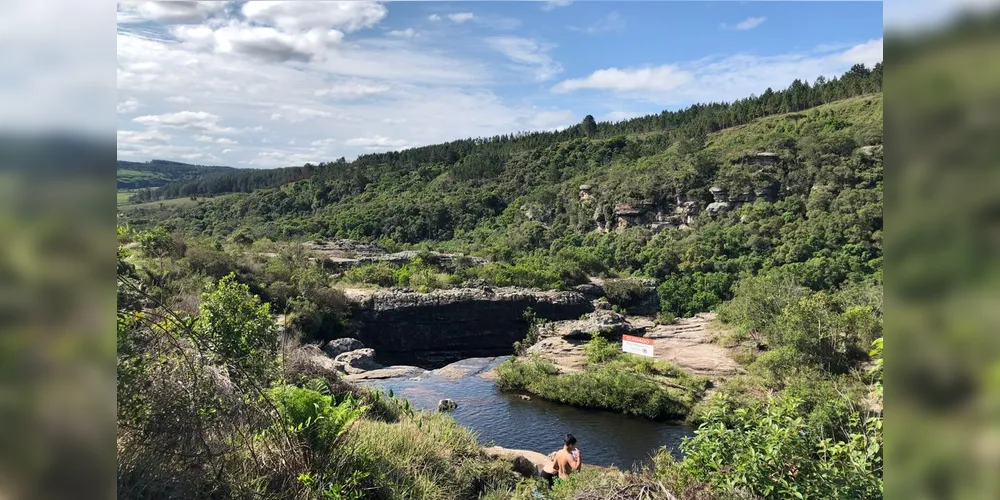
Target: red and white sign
<point>637,345</point>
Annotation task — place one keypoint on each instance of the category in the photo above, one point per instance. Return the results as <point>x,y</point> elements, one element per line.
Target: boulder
<point>524,462</point>
<point>337,347</point>
<point>447,405</point>
<point>357,361</point>
<point>603,321</point>
<point>310,357</point>
<point>590,290</point>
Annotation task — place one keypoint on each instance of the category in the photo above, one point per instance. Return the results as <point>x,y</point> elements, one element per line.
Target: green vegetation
<point>208,408</point>
<point>135,176</point>
<point>612,380</point>
<point>796,272</point>
<point>823,222</point>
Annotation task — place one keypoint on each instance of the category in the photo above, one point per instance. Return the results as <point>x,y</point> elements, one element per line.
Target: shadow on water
<point>605,438</point>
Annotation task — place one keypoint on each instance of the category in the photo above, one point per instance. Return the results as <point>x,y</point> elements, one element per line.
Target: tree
<point>239,329</point>
<point>589,126</point>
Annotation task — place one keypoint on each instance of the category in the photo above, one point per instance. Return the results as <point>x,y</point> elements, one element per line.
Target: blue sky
<point>268,84</point>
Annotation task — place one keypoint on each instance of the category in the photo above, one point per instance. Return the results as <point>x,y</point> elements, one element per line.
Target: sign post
<point>637,345</point>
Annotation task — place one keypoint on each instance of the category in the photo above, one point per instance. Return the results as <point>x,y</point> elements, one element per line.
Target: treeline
<point>242,181</point>
<point>485,155</point>
<point>155,173</point>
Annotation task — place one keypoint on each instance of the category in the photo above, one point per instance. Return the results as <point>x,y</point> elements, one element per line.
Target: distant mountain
<point>156,173</point>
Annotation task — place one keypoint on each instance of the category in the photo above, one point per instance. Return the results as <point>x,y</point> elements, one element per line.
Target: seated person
<point>564,462</point>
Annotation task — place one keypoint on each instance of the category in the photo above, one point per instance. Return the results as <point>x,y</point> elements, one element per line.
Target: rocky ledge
<point>433,329</point>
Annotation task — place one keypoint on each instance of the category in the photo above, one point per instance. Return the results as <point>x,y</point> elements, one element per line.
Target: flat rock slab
<point>399,371</point>
<point>688,345</point>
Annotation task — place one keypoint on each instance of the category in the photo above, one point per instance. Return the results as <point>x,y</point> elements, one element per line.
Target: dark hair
<point>570,439</point>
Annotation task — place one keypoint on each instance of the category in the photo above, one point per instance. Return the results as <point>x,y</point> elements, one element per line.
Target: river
<point>503,419</point>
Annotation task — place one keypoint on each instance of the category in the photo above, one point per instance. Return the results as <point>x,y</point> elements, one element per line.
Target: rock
<point>603,321</point>
<point>524,462</point>
<point>717,207</point>
<point>311,357</point>
<point>398,371</point>
<point>524,397</point>
<point>337,347</point>
<point>437,328</point>
<point>590,290</point>
<point>447,405</point>
<point>357,361</point>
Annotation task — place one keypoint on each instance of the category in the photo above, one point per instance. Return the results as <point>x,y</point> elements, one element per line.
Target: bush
<point>625,293</point>
<point>610,387</point>
<point>312,415</point>
<point>772,451</point>
<point>240,329</point>
<point>381,274</point>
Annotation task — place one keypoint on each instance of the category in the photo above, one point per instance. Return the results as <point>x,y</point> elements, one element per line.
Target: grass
<point>123,195</point>
<point>425,455</point>
<point>612,380</point>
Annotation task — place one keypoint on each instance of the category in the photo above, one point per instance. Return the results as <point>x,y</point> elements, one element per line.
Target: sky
<point>274,84</point>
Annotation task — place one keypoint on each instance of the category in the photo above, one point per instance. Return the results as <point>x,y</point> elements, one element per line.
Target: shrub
<point>600,350</point>
<point>608,387</point>
<point>240,329</point>
<point>772,451</point>
<point>381,274</point>
<point>312,415</point>
<point>624,292</point>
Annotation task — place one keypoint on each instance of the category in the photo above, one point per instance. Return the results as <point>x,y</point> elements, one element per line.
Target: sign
<point>637,345</point>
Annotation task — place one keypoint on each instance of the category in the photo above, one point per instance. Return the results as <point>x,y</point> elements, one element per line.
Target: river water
<point>504,419</point>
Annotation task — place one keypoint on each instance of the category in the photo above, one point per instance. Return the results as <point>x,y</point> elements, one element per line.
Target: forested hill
<point>799,191</point>
<point>471,158</point>
<point>155,173</point>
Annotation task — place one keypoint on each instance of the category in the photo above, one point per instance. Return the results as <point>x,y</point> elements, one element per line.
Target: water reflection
<point>506,420</point>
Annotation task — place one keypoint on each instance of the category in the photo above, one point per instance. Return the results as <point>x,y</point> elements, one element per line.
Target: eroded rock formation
<point>437,328</point>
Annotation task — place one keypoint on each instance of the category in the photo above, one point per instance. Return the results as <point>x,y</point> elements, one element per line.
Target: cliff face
<point>433,329</point>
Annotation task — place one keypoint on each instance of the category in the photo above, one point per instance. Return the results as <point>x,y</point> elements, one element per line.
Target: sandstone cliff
<point>437,328</point>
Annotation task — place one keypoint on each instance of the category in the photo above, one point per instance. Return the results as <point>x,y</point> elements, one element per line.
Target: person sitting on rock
<point>565,462</point>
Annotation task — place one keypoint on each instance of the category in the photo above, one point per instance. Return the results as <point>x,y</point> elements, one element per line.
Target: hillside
<point>797,189</point>
<point>155,173</point>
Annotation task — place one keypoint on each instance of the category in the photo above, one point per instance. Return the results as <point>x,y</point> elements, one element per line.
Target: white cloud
<point>323,142</point>
<point>530,53</point>
<point>315,15</point>
<point>551,120</point>
<point>129,105</point>
<point>868,53</point>
<point>394,120</point>
<point>407,33</point>
<point>461,17</point>
<point>216,140</point>
<point>175,12</point>
<point>617,116</point>
<point>611,22</point>
<point>193,120</point>
<point>725,78</point>
<point>179,99</point>
<point>377,142</point>
<point>141,137</point>
<point>553,4</point>
<point>352,90</point>
<point>750,23</point>
<point>434,17</point>
<point>658,79</point>
<point>260,42</point>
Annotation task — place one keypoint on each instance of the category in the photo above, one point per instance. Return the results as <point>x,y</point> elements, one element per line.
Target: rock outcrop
<point>433,329</point>
<point>341,255</point>
<point>601,321</point>
<point>337,347</point>
<point>358,361</point>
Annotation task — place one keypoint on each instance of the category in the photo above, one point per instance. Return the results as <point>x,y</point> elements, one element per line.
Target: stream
<point>504,419</point>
